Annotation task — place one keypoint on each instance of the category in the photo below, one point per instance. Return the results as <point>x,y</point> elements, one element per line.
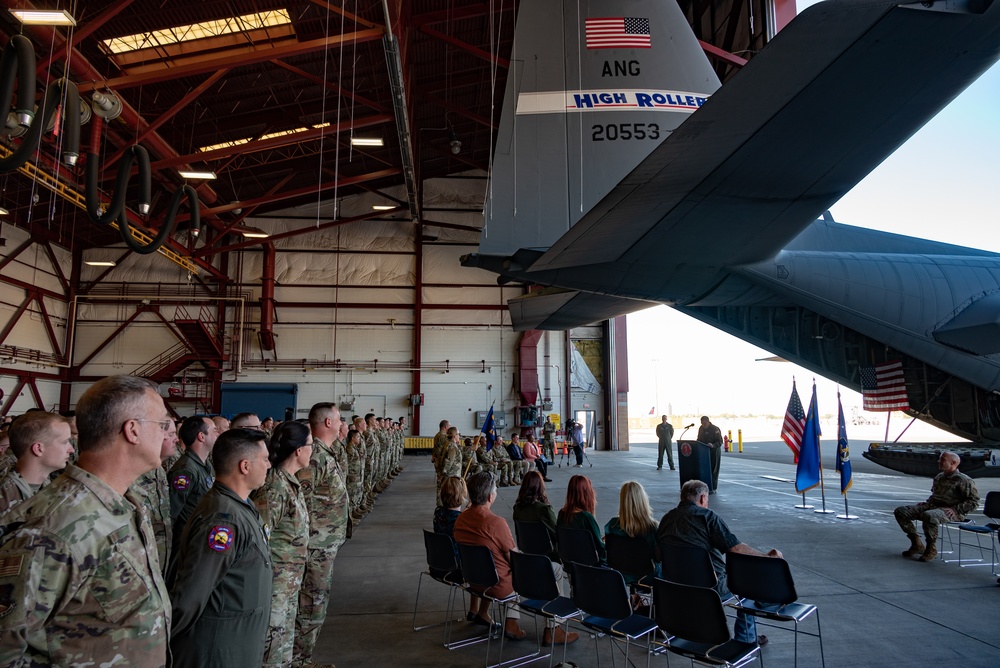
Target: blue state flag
<point>808,471</point>
<point>489,429</point>
<point>843,451</point>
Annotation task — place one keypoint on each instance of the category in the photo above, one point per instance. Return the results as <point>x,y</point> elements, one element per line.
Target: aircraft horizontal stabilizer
<point>833,94</point>
<point>555,309</point>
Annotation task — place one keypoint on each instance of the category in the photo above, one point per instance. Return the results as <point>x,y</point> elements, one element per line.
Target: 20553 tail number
<point>625,131</point>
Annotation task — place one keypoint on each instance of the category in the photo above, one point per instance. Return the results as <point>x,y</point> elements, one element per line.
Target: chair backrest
<point>577,546</point>
<point>601,592</point>
<point>766,579</point>
<point>631,556</point>
<point>991,508</point>
<point>687,564</point>
<point>478,567</point>
<point>691,613</point>
<point>533,538</point>
<point>533,577</point>
<point>440,552</point>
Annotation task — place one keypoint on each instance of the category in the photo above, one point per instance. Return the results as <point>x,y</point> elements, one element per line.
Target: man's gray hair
<point>692,490</point>
<point>481,486</point>
<point>107,405</point>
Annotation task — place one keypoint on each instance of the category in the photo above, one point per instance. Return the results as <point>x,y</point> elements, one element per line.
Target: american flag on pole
<point>795,422</point>
<point>618,33</point>
<point>883,387</point>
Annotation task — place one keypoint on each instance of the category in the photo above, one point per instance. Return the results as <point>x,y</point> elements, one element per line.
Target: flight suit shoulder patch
<point>221,538</point>
<point>180,482</point>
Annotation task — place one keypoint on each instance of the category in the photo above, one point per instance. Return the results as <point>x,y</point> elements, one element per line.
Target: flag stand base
<point>824,511</point>
<point>805,507</point>
<point>847,517</point>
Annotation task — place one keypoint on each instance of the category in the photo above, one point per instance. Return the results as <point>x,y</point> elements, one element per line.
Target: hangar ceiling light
<point>194,31</point>
<point>44,17</point>
<point>269,135</point>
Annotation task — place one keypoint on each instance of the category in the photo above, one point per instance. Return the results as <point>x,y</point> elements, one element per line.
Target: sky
<point>943,184</point>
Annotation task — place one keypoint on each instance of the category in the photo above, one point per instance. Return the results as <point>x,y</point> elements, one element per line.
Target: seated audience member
<point>453,496</point>
<point>533,454</point>
<point>282,507</point>
<point>692,523</point>
<point>532,505</point>
<point>42,444</point>
<point>478,525</point>
<point>635,519</point>
<point>578,513</point>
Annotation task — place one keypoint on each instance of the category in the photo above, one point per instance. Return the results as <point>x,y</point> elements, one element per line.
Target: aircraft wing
<point>833,94</point>
<point>556,309</point>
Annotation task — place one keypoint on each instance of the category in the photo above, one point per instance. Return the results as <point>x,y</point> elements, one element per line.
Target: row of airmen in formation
<point>136,554</point>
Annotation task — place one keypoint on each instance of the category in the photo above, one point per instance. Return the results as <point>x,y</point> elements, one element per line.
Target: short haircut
<point>321,411</point>
<point>704,418</point>
<point>369,416</point>
<point>351,433</point>
<point>481,486</point>
<point>191,427</point>
<point>106,406</point>
<point>693,489</point>
<point>443,424</point>
<point>453,492</point>
<point>287,438</point>
<point>234,446</point>
<point>240,418</point>
<point>32,428</point>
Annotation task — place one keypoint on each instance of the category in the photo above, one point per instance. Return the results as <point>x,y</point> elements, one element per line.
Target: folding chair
<point>535,583</point>
<point>442,566</point>
<point>696,626</point>
<point>480,573</point>
<point>576,546</point>
<point>633,558</point>
<point>991,508</point>
<point>602,596</point>
<point>533,538</point>
<point>764,588</point>
<point>687,564</point>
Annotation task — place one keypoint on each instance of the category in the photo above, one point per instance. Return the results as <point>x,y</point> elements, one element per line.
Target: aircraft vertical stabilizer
<point>594,88</point>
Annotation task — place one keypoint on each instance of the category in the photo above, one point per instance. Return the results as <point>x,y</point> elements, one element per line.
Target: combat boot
<point>916,546</point>
<point>931,552</point>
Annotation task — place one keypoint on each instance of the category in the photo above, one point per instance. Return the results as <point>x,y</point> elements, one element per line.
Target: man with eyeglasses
<point>192,475</point>
<point>246,421</point>
<point>80,578</point>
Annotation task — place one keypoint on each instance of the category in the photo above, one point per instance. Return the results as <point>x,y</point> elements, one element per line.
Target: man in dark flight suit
<point>221,592</point>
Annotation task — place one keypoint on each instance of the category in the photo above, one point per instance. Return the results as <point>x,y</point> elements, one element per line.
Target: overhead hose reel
<point>18,64</point>
<point>169,222</point>
<point>116,207</point>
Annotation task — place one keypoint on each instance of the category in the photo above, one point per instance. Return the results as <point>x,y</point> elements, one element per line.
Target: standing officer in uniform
<point>192,475</point>
<point>324,486</point>
<point>79,577</point>
<point>711,436</point>
<point>41,443</point>
<point>151,487</point>
<point>665,434</point>
<point>221,592</point>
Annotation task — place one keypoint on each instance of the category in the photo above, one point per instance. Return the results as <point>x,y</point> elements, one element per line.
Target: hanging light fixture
<point>44,17</point>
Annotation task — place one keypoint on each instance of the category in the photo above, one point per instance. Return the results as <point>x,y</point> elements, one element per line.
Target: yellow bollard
<point>739,432</point>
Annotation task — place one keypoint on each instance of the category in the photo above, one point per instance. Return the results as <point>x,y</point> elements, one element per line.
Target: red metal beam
<point>371,104</point>
<point>14,253</point>
<point>716,53</point>
<point>232,60</point>
<point>273,142</point>
<point>9,327</point>
<point>55,266</point>
<point>104,344</point>
<point>464,46</point>
<point>456,14</point>
<point>48,325</point>
<point>84,30</point>
<point>13,395</point>
<point>298,192</point>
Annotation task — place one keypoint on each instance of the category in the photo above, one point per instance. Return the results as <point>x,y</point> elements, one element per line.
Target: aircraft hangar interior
<point>434,209</point>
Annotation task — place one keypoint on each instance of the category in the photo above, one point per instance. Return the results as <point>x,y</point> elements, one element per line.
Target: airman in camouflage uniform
<point>80,580</point>
<point>325,490</point>
<point>549,439</point>
<point>7,461</point>
<point>282,507</point>
<point>151,487</point>
<point>451,462</point>
<point>470,461</point>
<point>42,443</point>
<point>371,459</point>
<point>953,495</point>
<point>505,467</point>
<point>484,456</point>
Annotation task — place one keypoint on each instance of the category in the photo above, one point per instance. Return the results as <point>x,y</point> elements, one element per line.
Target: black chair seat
<point>977,528</point>
<point>730,653</point>
<point>789,612</point>
<point>560,607</point>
